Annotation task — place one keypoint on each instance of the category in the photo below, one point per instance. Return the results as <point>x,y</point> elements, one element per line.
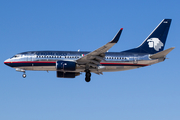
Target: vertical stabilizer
<point>155,42</point>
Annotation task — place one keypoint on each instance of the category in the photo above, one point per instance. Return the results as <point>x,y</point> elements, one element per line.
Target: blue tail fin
<point>155,42</point>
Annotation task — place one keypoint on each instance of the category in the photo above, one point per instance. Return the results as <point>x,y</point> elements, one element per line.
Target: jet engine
<point>66,65</point>
<point>67,74</point>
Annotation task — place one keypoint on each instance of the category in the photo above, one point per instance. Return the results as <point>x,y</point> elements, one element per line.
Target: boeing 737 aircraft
<point>69,64</point>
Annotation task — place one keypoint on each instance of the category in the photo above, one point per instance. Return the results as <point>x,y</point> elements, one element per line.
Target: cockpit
<point>16,56</point>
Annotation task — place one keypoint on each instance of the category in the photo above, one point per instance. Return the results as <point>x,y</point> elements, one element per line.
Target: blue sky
<point>151,92</point>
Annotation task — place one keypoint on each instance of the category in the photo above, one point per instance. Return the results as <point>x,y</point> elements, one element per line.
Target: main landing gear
<point>88,75</point>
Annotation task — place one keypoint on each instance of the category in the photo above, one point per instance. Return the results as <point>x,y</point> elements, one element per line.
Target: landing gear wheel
<point>88,76</point>
<point>24,75</point>
<point>87,79</point>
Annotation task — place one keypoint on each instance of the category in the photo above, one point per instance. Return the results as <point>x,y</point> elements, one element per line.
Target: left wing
<point>94,58</point>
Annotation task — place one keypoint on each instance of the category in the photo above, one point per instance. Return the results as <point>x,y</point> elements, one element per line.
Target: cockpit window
<point>15,56</point>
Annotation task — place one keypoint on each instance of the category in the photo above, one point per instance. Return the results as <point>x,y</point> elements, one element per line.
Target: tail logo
<point>155,43</point>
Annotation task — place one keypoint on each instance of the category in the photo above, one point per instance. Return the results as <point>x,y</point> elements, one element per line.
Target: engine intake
<point>65,65</point>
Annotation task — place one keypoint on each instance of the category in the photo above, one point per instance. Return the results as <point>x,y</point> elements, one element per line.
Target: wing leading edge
<point>94,58</point>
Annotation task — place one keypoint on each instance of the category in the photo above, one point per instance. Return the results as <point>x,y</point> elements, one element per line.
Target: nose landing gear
<point>21,70</point>
<point>24,75</point>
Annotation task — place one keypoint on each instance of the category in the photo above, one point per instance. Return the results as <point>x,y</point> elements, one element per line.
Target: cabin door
<point>135,61</point>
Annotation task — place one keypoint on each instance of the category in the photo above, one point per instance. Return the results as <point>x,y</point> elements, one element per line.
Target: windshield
<point>15,56</point>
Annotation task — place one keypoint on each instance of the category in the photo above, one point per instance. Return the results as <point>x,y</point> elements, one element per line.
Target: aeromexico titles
<point>69,64</point>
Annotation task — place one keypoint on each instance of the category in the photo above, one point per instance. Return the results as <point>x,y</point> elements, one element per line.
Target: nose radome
<point>6,61</point>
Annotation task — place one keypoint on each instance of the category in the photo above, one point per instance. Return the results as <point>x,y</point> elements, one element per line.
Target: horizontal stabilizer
<point>161,54</point>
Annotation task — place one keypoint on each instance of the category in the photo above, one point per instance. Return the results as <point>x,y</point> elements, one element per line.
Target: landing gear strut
<point>88,75</point>
<point>21,70</point>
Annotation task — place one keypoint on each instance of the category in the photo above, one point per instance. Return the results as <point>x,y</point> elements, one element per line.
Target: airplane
<point>69,64</point>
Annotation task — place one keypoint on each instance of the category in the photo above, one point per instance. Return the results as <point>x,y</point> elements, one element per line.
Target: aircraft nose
<point>6,62</point>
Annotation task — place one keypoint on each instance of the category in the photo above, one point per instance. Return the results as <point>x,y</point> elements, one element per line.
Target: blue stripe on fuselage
<point>25,63</point>
<point>35,63</point>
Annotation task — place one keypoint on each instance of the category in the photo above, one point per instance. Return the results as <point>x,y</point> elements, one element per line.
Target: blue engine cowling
<point>66,65</point>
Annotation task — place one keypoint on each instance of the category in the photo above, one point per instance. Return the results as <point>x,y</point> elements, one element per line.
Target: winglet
<point>116,38</point>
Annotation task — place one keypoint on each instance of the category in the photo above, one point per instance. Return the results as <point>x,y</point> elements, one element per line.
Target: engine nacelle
<point>67,74</point>
<point>66,65</point>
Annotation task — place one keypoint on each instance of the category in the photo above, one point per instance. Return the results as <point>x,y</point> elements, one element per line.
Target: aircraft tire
<point>88,77</point>
<point>24,75</point>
